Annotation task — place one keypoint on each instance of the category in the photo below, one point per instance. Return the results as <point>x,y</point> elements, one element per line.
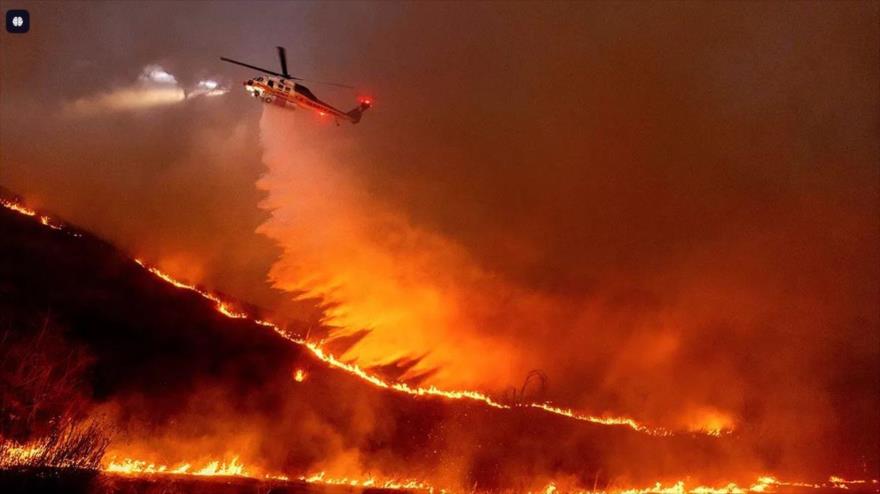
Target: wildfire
<point>565,412</point>
<point>22,209</point>
<point>843,483</point>
<point>228,310</point>
<point>15,454</point>
<point>765,484</point>
<point>470,395</point>
<point>215,468</point>
<point>18,208</point>
<point>299,375</point>
<point>322,478</point>
<point>130,466</point>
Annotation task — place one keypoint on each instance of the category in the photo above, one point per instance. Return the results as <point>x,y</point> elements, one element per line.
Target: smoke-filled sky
<point>669,209</point>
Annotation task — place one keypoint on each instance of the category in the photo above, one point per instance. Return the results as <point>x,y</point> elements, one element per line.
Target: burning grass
<point>44,420</point>
<point>79,446</point>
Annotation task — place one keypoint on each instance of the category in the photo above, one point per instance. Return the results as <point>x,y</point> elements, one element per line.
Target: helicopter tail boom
<point>355,115</point>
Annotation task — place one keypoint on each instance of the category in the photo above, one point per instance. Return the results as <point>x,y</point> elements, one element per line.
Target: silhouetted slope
<point>143,333</point>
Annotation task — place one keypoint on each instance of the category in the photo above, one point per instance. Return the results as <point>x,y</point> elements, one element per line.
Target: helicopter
<point>283,91</point>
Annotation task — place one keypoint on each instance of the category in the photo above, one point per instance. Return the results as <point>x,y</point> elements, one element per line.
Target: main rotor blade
<point>283,57</point>
<point>286,76</point>
<point>284,68</point>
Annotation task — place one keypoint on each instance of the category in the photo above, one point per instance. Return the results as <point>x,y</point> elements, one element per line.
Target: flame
<point>709,420</point>
<point>22,209</point>
<point>18,208</point>
<point>842,483</point>
<point>763,484</point>
<point>299,375</point>
<point>42,452</point>
<point>16,454</point>
<point>218,468</point>
<point>214,468</point>
<point>322,478</point>
<point>632,424</point>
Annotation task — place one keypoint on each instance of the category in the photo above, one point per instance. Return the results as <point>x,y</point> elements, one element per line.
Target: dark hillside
<point>184,381</point>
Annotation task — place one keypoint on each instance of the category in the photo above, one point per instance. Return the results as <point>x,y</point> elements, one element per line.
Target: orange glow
<point>299,375</point>
<point>19,208</point>
<point>129,466</point>
<point>232,468</point>
<point>322,478</point>
<point>14,454</point>
<point>710,421</point>
<point>762,484</point>
<point>632,424</point>
<point>218,468</point>
<point>22,209</point>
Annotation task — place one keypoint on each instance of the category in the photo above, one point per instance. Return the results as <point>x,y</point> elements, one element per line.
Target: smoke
<point>683,233</point>
<point>154,87</point>
<point>372,268</point>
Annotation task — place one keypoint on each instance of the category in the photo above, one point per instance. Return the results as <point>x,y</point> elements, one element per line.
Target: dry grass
<point>43,404</point>
<point>73,446</point>
<point>533,389</point>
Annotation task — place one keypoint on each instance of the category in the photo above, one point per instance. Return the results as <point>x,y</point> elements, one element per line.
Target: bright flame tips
<point>763,484</point>
<point>217,468</point>
<point>299,375</point>
<point>19,208</point>
<point>129,466</point>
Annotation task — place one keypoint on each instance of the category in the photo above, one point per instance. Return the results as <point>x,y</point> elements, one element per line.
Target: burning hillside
<point>183,382</point>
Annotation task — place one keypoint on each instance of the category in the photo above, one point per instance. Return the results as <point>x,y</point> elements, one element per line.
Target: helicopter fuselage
<point>279,88</point>
<point>280,92</point>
